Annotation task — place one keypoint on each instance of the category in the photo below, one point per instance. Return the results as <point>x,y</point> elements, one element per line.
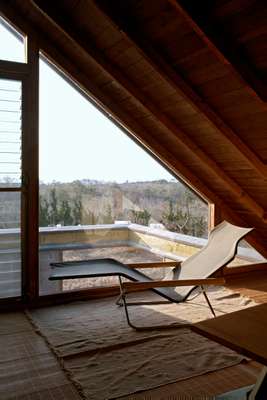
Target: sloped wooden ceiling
<point>187,78</point>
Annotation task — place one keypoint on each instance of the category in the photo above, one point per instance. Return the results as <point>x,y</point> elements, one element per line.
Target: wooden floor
<point>28,368</point>
<point>202,387</point>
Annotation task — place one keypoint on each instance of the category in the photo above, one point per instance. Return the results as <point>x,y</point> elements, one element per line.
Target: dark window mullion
<point>30,174</point>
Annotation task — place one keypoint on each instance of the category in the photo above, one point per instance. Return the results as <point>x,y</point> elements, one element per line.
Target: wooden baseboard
<point>244,269</point>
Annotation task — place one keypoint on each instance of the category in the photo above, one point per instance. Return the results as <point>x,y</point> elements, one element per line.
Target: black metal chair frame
<point>122,302</point>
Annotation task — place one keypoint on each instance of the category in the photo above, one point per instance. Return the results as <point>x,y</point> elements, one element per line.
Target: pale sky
<point>78,142</point>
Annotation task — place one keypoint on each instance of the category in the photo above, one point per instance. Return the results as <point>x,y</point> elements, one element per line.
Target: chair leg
<point>121,301</point>
<point>122,297</point>
<point>118,301</point>
<point>207,300</point>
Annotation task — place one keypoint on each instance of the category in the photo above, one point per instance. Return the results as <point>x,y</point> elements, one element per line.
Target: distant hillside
<point>93,202</point>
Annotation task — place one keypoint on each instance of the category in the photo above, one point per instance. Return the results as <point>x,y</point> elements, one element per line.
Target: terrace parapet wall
<point>55,240</point>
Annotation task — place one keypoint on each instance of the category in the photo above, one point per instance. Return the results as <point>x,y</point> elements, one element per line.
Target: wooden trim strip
<point>129,287</point>
<point>13,68</point>
<point>74,295</point>
<point>10,189</point>
<point>11,304</point>
<point>166,264</point>
<point>233,272</point>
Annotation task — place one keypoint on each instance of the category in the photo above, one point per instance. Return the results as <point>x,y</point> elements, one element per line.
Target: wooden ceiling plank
<point>186,90</point>
<point>227,53</point>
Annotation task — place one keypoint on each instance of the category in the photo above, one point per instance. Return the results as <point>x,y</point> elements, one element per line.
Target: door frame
<point>28,74</point>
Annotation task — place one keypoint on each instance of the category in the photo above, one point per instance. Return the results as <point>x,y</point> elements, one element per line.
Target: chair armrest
<point>141,286</point>
<point>166,264</point>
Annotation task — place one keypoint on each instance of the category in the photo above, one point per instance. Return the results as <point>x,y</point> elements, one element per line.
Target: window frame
<point>28,74</point>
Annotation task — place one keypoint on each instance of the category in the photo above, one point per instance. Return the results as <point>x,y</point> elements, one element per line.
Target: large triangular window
<point>101,194</point>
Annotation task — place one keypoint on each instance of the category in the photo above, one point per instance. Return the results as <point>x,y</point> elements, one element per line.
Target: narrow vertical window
<point>12,50</point>
<point>10,185</point>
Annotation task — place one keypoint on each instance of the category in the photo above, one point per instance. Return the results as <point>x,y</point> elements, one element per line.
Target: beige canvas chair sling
<point>179,283</point>
<point>196,270</point>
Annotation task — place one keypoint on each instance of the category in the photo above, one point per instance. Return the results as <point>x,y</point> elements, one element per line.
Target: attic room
<point>185,82</point>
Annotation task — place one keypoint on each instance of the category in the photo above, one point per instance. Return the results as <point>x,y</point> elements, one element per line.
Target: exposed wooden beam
<point>63,25</point>
<point>186,90</point>
<point>225,50</point>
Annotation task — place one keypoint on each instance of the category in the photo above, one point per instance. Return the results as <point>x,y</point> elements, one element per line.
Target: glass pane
<point>101,195</point>
<point>10,133</point>
<point>10,240</point>
<point>11,43</point>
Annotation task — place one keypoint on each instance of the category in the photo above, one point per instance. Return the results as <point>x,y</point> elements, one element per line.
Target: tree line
<point>89,204</point>
<point>64,212</point>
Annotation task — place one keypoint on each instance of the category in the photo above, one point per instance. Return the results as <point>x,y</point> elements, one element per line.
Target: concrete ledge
<point>165,243</point>
<point>167,235</point>
<point>82,228</point>
<point>83,246</point>
<point>247,253</point>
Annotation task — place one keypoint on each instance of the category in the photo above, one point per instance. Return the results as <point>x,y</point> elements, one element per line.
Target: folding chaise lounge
<point>177,286</point>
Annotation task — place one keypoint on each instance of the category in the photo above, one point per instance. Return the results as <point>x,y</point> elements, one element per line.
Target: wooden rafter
<point>186,90</point>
